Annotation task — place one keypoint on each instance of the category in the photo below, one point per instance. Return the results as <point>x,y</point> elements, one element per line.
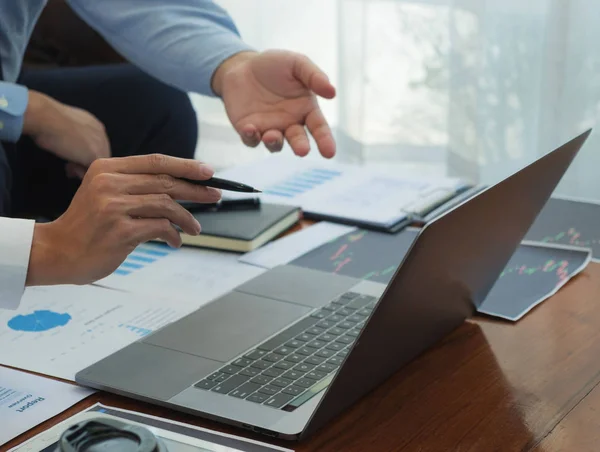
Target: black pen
<point>222,206</point>
<point>223,184</point>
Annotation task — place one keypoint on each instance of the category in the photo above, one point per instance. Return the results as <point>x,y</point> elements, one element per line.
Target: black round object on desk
<point>104,435</point>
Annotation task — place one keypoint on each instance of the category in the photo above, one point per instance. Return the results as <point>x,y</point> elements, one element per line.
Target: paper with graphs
<point>355,194</point>
<point>192,274</point>
<point>59,330</point>
<point>292,246</point>
<point>27,400</point>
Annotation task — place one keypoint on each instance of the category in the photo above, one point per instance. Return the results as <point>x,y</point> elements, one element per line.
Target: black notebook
<point>242,230</point>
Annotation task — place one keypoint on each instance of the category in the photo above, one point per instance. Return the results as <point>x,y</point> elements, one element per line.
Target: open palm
<point>273,95</point>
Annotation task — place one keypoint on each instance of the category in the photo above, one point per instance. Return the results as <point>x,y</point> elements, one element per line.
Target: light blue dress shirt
<point>181,42</point>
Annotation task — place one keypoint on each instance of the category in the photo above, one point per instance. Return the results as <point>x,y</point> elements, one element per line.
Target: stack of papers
<point>343,193</point>
<point>59,330</point>
<point>28,400</point>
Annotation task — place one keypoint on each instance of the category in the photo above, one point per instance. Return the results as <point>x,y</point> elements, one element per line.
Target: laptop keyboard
<point>290,368</point>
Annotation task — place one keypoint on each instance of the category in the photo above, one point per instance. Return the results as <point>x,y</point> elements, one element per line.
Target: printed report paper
<point>292,246</point>
<point>59,330</point>
<point>351,193</point>
<point>194,275</point>
<point>27,400</point>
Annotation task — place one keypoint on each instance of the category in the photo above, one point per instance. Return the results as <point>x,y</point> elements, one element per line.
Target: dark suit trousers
<point>141,116</point>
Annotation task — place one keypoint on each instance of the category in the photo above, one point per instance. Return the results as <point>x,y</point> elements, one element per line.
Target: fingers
<point>104,151</point>
<point>298,140</point>
<point>155,164</point>
<point>70,170</point>
<point>273,140</point>
<point>250,136</point>
<point>79,171</point>
<point>319,129</point>
<point>312,77</point>
<point>272,124</point>
<point>101,144</point>
<point>75,171</point>
<point>163,206</point>
<point>296,134</point>
<point>145,184</point>
<point>147,229</point>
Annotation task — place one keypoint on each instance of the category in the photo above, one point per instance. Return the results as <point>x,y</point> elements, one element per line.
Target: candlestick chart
<point>568,222</point>
<point>362,254</point>
<point>532,274</point>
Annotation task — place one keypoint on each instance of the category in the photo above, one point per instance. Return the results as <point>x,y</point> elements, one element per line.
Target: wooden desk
<point>489,386</point>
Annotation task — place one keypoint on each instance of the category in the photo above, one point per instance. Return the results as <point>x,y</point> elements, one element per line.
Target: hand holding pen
<point>224,184</point>
<point>223,205</point>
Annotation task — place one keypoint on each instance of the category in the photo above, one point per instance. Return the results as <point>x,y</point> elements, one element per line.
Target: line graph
<point>532,274</point>
<point>568,222</point>
<point>571,236</point>
<point>362,254</point>
<point>559,268</point>
<point>343,257</point>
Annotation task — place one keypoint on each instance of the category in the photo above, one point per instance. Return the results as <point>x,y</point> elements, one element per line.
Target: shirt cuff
<point>229,46</point>
<point>16,237</point>
<point>13,103</point>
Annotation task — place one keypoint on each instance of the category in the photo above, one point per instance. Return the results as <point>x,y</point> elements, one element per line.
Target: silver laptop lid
<point>449,270</point>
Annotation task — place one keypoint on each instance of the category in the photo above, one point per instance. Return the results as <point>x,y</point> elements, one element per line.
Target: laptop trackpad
<point>228,326</point>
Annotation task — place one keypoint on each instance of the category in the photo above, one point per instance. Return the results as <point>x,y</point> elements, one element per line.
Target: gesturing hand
<point>272,95</point>
<point>121,203</point>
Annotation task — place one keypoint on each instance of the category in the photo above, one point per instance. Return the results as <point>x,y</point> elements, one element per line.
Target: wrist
<point>47,259</point>
<point>227,66</point>
<point>32,119</point>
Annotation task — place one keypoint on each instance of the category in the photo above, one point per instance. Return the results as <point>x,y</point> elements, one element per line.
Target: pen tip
<point>256,191</point>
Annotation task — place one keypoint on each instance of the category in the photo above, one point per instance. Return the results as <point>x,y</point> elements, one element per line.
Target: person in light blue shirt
<point>100,150</point>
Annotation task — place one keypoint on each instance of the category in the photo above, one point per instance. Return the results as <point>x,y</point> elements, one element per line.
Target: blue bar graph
<point>302,182</point>
<point>143,256</point>
<point>132,265</point>
<point>152,252</point>
<point>137,257</point>
<point>121,272</point>
<point>137,330</point>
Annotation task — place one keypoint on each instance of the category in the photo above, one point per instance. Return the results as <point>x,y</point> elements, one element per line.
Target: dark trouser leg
<point>141,116</point>
<point>5,183</point>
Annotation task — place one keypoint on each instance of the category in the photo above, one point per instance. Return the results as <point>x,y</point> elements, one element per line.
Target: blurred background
<point>469,88</point>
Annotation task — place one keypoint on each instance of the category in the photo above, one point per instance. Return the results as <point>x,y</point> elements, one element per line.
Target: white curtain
<point>475,88</point>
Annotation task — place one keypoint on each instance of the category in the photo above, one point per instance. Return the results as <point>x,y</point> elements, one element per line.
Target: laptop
<point>285,352</point>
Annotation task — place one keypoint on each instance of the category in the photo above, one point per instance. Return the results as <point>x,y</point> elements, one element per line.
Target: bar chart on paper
<point>343,193</point>
<point>143,256</point>
<point>187,276</point>
<point>301,182</point>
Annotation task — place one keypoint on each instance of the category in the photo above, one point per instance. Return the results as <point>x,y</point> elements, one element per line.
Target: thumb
<point>311,76</point>
<point>75,170</point>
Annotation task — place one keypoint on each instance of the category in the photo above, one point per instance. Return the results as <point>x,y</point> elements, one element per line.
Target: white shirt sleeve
<point>16,237</point>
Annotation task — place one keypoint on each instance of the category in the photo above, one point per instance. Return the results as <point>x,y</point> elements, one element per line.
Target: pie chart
<point>38,321</point>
